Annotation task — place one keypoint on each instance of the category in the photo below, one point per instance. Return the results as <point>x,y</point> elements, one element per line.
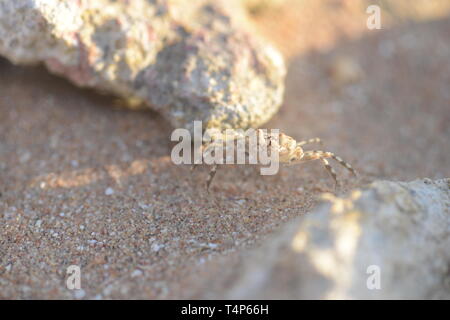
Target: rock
<point>390,240</point>
<point>189,60</point>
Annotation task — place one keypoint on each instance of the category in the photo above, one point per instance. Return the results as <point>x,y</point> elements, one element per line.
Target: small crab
<point>289,151</point>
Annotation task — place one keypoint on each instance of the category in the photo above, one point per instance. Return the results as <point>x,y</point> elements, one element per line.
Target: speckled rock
<point>189,60</point>
<point>389,241</point>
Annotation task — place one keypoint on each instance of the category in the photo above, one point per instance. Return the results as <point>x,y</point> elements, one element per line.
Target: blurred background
<point>86,181</point>
<point>382,93</point>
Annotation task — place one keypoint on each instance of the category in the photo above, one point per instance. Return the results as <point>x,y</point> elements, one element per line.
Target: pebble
<point>156,247</point>
<point>79,294</point>
<point>109,191</point>
<point>136,273</point>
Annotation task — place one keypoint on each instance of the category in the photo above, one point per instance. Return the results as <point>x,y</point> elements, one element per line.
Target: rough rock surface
<point>190,60</point>
<point>400,231</point>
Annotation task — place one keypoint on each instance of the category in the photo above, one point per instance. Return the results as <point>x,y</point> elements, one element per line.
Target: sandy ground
<point>86,182</point>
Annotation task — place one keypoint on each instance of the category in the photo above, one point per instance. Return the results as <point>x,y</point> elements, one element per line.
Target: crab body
<point>289,150</point>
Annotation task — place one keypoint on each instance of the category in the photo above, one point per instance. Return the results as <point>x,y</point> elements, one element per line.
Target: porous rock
<point>189,60</point>
<point>390,240</point>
